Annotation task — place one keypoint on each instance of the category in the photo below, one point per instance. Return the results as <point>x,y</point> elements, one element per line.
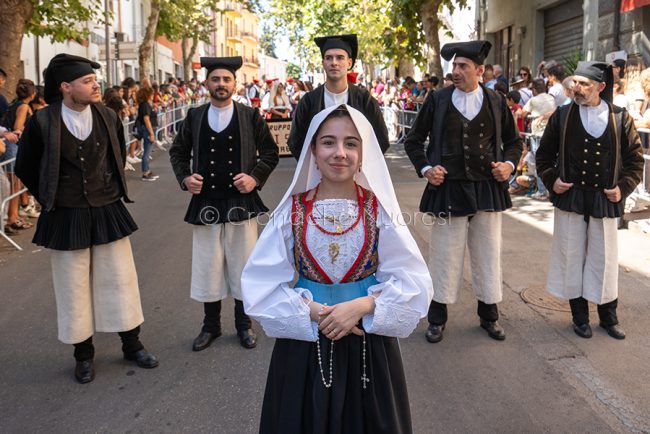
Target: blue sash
<point>334,293</point>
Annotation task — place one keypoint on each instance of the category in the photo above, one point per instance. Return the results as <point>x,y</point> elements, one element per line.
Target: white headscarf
<point>374,173</point>
<point>404,286</point>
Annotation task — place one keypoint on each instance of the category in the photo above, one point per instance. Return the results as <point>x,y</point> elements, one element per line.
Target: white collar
<point>335,94</point>
<point>595,118</point>
<point>74,113</point>
<point>80,124</point>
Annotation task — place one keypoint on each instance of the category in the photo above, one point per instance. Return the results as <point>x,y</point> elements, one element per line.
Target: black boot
<point>609,320</point>
<point>211,329</point>
<point>580,314</point>
<point>134,350</point>
<point>243,324</point>
<point>489,314</point>
<point>84,352</point>
<point>437,318</point>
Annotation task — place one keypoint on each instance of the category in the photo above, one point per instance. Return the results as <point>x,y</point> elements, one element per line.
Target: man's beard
<point>215,94</point>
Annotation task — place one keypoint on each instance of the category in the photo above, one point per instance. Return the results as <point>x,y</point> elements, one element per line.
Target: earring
<point>359,167</point>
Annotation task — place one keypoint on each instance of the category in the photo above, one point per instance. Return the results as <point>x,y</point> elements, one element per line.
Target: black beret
<point>476,51</point>
<point>592,70</point>
<point>232,64</point>
<point>349,43</point>
<point>65,68</point>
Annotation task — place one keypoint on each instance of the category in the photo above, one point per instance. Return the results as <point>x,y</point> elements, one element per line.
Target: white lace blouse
<point>335,253</point>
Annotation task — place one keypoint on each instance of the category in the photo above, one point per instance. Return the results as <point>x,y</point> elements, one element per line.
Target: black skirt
<point>81,228</point>
<point>296,401</point>
<point>204,210</point>
<point>457,198</point>
<point>590,203</point>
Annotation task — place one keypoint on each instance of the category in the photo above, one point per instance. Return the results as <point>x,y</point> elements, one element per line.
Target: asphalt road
<point>542,378</point>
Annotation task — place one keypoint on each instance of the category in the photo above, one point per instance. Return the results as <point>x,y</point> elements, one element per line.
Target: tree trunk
<point>146,47</point>
<point>14,16</point>
<point>406,67</point>
<point>187,60</point>
<point>431,23</point>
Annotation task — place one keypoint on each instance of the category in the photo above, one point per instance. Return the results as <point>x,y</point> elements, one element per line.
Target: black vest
<point>468,146</point>
<point>87,176</point>
<point>219,159</point>
<point>590,158</point>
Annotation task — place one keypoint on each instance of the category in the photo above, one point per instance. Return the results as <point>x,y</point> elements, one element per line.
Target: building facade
<point>525,32</point>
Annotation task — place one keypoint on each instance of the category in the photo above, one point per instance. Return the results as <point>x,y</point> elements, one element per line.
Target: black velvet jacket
<point>255,138</point>
<point>552,157</point>
<point>39,152</point>
<point>430,123</point>
<point>314,102</point>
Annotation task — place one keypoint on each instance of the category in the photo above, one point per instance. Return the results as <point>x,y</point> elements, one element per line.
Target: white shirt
<point>335,99</point>
<point>468,103</point>
<point>80,124</point>
<point>219,118</point>
<point>557,92</point>
<point>595,118</point>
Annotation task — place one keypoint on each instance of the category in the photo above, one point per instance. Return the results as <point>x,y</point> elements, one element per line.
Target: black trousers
<point>606,312</point>
<point>130,344</point>
<point>438,312</point>
<point>212,318</point>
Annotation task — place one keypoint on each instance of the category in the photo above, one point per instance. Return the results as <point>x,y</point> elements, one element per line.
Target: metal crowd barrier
<point>398,122</point>
<point>5,200</point>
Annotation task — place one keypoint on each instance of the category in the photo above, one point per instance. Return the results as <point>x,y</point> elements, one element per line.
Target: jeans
<point>146,144</point>
<point>535,141</point>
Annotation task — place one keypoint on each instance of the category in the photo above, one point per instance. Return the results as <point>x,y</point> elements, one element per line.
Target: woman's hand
<point>341,319</point>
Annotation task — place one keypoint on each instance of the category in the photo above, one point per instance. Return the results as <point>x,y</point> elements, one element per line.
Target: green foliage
<point>267,41</point>
<point>187,19</point>
<point>388,29</point>
<point>61,20</point>
<point>571,61</point>
<point>293,70</point>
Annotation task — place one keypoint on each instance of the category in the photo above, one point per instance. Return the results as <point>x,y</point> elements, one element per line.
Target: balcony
<point>233,9</point>
<point>234,37</point>
<point>250,36</point>
<point>252,62</point>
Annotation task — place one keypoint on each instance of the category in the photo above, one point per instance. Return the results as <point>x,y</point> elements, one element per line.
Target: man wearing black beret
<point>223,155</point>
<point>71,158</point>
<point>473,149</point>
<point>590,159</point>
<point>339,53</point>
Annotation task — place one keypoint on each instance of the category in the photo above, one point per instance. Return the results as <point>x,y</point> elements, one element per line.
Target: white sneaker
<point>540,196</point>
<point>28,211</point>
<point>129,167</point>
<point>160,146</point>
<point>133,160</point>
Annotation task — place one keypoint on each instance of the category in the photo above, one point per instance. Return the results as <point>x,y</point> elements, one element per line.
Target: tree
<point>60,20</point>
<point>146,47</point>
<point>294,70</point>
<point>267,41</point>
<point>188,21</point>
<point>390,30</point>
<point>419,23</point>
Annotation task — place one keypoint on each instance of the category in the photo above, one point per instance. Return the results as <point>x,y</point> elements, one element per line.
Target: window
<point>503,54</point>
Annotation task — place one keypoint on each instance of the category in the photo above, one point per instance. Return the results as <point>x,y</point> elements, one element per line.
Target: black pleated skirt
<point>591,203</point>
<point>457,198</point>
<point>204,210</point>
<point>296,401</point>
<point>80,228</point>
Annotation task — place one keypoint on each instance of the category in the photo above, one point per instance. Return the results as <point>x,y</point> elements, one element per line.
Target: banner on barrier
<point>280,130</point>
